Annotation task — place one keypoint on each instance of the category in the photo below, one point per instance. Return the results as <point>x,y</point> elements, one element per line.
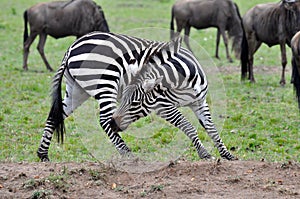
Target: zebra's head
<point>138,97</point>
<point>136,102</point>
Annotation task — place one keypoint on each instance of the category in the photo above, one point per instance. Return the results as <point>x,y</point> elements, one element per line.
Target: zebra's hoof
<point>128,155</point>
<point>43,157</point>
<point>230,157</point>
<point>205,156</point>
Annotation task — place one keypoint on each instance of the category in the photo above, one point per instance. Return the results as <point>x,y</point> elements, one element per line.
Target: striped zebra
<point>142,75</point>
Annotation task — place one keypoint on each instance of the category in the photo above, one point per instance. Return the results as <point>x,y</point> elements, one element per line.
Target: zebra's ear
<point>150,84</point>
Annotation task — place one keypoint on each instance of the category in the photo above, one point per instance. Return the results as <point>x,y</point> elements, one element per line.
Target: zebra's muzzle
<point>115,125</point>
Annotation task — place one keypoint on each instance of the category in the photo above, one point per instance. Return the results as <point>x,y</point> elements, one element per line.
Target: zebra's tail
<point>296,80</point>
<point>172,24</point>
<point>56,114</point>
<point>25,35</point>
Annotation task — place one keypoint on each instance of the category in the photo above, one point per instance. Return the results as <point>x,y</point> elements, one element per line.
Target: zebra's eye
<point>197,89</point>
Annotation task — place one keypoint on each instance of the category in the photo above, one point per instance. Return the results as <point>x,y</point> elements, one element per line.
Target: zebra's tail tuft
<point>56,114</point>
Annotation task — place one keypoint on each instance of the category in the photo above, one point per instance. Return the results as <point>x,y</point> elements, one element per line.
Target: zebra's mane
<point>146,59</point>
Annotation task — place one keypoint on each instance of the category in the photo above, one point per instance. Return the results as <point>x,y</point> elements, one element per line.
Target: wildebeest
<point>60,19</point>
<point>222,14</point>
<point>272,24</point>
<point>295,45</point>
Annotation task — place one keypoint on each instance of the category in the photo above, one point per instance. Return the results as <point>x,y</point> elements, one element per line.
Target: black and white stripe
<point>170,80</point>
<point>111,66</point>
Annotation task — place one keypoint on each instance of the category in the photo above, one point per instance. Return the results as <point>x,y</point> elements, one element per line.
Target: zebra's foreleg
<point>107,108</point>
<point>174,116</point>
<point>205,120</point>
<point>115,138</point>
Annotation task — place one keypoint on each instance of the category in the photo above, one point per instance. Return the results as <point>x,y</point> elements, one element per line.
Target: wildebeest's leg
<point>202,112</point>
<point>180,25</point>
<point>253,46</point>
<point>225,39</point>
<point>187,35</point>
<point>40,48</point>
<point>74,97</point>
<point>107,108</point>
<point>26,47</point>
<point>217,43</point>
<point>172,115</point>
<point>251,74</point>
<point>283,63</point>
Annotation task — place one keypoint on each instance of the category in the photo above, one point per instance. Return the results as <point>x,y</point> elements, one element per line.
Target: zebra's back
<point>98,59</point>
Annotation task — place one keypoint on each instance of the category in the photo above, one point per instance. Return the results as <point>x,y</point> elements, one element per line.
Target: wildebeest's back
<point>37,17</point>
<point>257,20</point>
<point>204,14</point>
<point>64,18</point>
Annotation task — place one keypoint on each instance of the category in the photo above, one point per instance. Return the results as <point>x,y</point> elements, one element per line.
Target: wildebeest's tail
<point>25,35</point>
<point>244,53</point>
<point>235,29</point>
<point>296,80</point>
<point>104,25</point>
<point>172,24</point>
<point>56,114</point>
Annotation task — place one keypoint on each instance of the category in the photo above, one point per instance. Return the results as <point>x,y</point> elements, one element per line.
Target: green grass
<point>261,120</point>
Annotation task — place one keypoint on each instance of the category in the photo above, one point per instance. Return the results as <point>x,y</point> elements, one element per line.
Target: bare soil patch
<point>217,179</point>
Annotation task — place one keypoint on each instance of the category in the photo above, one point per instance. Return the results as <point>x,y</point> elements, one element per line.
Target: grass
<point>258,121</point>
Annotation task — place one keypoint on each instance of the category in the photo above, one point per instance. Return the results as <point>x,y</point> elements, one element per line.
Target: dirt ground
<point>183,179</point>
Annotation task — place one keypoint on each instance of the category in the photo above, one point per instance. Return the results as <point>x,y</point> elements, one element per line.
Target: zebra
<point>142,75</point>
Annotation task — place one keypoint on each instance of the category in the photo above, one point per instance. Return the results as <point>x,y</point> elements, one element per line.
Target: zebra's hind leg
<point>45,141</point>
<point>174,116</point>
<point>74,97</point>
<point>203,114</point>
